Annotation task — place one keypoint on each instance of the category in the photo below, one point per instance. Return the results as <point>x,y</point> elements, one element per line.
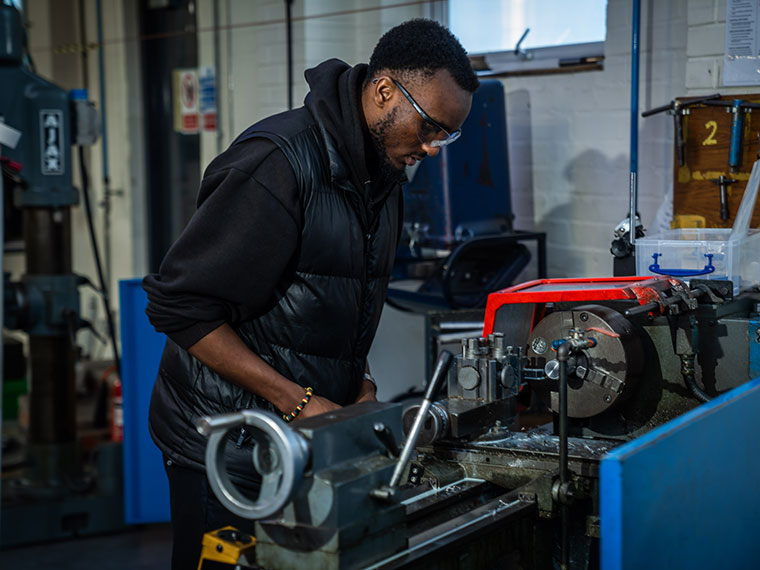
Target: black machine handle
<point>673,105</point>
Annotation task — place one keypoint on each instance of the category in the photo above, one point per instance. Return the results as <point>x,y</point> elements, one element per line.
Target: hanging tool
<point>723,183</point>
<point>679,108</point>
<point>737,107</point>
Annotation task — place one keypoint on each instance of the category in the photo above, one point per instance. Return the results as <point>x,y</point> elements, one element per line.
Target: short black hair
<point>423,46</point>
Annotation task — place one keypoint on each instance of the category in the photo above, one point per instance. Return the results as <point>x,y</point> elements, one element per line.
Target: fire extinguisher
<point>117,413</point>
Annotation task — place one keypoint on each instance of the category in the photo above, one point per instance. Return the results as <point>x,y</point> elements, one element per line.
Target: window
<point>18,4</point>
<point>560,33</point>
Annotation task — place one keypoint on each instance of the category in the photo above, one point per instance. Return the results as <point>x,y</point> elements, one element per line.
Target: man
<point>278,281</point>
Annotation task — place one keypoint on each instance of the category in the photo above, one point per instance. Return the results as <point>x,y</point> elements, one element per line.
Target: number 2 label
<point>713,127</point>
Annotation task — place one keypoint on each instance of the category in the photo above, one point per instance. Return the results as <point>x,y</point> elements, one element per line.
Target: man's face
<point>403,134</point>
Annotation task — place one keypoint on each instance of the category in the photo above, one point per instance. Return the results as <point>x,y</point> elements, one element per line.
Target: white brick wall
<point>706,47</point>
<point>569,140</point>
<point>701,12</point>
<point>703,73</point>
<point>707,39</point>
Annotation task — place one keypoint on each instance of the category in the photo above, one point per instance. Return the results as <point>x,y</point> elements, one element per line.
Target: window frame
<point>543,60</point>
<point>558,58</point>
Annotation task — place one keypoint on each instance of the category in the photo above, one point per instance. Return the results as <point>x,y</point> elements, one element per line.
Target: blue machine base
<point>685,495</point>
<point>146,488</point>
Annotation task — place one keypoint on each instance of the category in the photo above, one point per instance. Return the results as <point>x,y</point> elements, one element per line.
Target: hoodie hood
<point>335,100</point>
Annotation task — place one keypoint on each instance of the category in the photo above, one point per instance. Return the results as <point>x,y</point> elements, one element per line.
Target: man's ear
<point>383,90</point>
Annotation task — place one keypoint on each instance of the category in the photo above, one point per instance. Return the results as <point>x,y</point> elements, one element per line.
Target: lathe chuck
<point>599,377</point>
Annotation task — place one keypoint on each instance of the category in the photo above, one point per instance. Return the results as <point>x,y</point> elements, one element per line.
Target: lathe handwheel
<point>280,456</point>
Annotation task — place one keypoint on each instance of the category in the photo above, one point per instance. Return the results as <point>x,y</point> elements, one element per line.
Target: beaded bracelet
<point>294,414</point>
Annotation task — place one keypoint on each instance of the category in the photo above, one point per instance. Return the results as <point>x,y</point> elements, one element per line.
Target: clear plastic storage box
<point>708,253</point>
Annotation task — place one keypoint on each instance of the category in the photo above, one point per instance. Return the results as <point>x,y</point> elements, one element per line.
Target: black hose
<point>696,390</point>
<point>687,371</point>
<point>99,267</point>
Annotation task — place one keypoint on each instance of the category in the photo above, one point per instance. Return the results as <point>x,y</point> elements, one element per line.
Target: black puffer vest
<point>324,314</point>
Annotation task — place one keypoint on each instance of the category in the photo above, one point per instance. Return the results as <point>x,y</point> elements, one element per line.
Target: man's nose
<point>430,150</point>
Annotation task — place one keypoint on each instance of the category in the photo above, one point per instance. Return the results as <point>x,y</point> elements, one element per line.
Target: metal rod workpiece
<point>439,374</point>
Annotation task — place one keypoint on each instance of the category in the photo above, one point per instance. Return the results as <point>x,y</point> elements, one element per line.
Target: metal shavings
<point>503,505</point>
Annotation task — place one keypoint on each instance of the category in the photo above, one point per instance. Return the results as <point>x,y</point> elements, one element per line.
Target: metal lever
<point>564,489</point>
<point>439,374</point>
<point>519,51</point>
<point>678,108</point>
<point>385,435</point>
<point>737,107</point>
<point>654,306</point>
<point>723,183</point>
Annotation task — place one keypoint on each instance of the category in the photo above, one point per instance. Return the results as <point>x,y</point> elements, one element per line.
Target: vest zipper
<point>365,272</point>
<point>368,226</point>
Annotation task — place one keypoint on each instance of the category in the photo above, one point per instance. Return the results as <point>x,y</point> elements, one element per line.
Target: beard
<point>379,133</point>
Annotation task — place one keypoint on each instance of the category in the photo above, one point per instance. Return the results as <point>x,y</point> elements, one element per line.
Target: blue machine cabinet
<point>685,495</point>
<point>465,191</point>
<point>146,488</point>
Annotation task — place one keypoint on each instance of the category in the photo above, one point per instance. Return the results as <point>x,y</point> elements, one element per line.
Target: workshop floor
<point>147,547</point>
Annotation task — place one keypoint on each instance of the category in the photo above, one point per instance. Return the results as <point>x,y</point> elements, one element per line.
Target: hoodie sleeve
<point>227,262</point>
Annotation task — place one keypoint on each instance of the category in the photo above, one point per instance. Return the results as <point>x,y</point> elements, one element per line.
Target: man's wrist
<point>369,378</point>
<point>287,396</point>
<point>308,393</point>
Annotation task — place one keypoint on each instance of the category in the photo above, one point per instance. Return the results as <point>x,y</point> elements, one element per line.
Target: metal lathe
<point>469,478</point>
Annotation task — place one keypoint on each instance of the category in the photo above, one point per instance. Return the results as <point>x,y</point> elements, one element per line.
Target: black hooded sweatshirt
<point>249,195</point>
<point>295,259</point>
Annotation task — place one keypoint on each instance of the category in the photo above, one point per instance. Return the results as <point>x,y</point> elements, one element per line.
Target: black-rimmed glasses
<point>430,130</point>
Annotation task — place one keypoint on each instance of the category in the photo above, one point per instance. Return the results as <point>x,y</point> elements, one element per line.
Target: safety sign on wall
<point>185,94</point>
<point>207,81</point>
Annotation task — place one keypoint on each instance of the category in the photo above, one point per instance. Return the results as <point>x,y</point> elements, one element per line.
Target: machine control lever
<point>679,108</point>
<point>574,343</point>
<point>439,374</point>
<point>385,435</point>
<point>723,183</point>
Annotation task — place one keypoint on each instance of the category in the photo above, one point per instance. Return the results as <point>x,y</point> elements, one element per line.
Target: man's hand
<point>223,350</point>
<point>367,392</point>
<point>317,405</point>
